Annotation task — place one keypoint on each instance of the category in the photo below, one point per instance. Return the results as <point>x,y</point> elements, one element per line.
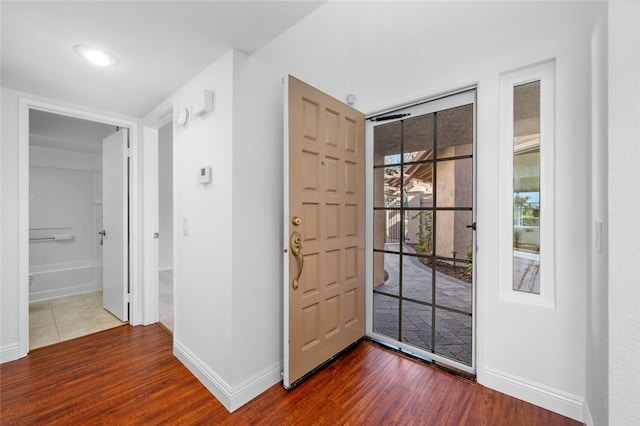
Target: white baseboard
<point>586,415</point>
<point>137,318</point>
<point>535,393</point>
<point>232,397</point>
<point>62,292</point>
<point>9,353</point>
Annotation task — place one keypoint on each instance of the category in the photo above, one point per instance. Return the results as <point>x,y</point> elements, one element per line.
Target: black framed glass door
<point>423,223</point>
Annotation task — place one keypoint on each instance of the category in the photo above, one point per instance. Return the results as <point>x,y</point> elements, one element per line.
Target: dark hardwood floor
<point>128,375</point>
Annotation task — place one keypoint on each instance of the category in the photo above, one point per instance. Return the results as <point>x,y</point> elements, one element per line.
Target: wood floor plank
<point>128,375</point>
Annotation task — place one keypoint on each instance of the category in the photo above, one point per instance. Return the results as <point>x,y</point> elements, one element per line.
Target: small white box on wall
<point>202,103</point>
<point>205,174</point>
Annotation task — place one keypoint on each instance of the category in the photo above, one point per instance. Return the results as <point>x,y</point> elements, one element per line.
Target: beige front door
<point>324,295</point>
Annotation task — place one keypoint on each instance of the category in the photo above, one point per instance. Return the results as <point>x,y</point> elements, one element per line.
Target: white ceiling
<point>160,45</point>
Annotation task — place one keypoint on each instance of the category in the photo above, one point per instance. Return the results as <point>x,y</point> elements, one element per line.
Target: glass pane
<point>387,187</point>
<point>416,278</point>
<point>386,273</point>
<point>392,186</point>
<point>455,131</point>
<point>453,236</point>
<point>386,230</point>
<point>416,324</point>
<point>453,336</point>
<point>418,188</point>
<point>386,314</point>
<point>453,285</point>
<point>418,138</point>
<point>386,143</point>
<point>455,183</point>
<point>526,187</point>
<point>526,271</point>
<point>419,231</point>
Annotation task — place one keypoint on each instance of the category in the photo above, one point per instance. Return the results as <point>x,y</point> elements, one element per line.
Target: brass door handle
<point>296,249</point>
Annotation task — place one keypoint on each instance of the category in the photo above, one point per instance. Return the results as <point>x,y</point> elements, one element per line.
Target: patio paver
<point>453,337</point>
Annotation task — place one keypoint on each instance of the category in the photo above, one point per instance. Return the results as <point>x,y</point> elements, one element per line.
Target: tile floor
<point>166,298</point>
<point>64,318</point>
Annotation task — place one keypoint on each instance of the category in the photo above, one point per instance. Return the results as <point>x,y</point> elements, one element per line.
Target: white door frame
<point>26,105</point>
<point>150,224</point>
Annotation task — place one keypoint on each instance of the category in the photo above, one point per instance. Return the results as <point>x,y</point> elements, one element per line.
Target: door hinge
<point>472,226</point>
<point>156,235</point>
<point>128,152</point>
<point>129,297</point>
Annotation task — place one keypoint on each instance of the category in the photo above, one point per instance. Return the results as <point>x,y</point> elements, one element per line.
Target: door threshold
<point>425,360</point>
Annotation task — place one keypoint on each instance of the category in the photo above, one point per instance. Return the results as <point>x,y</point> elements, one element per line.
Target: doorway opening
<point>78,226</point>
<point>165,226</point>
<point>423,292</point>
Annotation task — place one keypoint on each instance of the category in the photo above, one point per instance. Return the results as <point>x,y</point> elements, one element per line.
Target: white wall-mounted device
<point>205,174</point>
<point>182,116</point>
<point>202,103</point>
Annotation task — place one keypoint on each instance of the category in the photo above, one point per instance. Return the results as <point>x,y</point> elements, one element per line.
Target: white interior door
<point>115,271</point>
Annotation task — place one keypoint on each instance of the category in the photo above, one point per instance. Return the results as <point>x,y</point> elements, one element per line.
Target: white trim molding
<point>150,224</point>
<point>545,73</point>
<point>150,214</point>
<point>9,353</point>
<point>535,393</point>
<point>27,104</point>
<point>232,397</point>
<point>586,415</point>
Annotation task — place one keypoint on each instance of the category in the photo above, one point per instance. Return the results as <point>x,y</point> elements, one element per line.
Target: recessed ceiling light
<point>96,56</point>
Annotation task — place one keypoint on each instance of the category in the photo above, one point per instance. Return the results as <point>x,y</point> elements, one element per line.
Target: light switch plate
<point>205,174</point>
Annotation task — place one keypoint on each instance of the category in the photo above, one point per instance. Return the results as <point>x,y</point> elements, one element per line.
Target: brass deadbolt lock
<point>296,240</point>
<point>296,221</point>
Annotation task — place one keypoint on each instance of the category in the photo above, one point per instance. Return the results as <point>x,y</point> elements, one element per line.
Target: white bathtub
<point>63,279</point>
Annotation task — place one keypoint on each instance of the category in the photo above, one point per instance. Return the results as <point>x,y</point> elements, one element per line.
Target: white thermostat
<point>205,174</point>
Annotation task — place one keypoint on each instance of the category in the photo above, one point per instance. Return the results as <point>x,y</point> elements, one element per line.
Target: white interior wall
<point>381,74</point>
<point>41,156</point>
<point>227,271</point>
<point>65,185</point>
<point>62,193</point>
<point>165,197</point>
<point>351,48</point>
<point>257,226</point>
<point>537,355</point>
<point>9,289</point>
<point>2,207</point>
<point>597,358</point>
<point>316,49</point>
<point>624,227</point>
<point>203,262</point>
